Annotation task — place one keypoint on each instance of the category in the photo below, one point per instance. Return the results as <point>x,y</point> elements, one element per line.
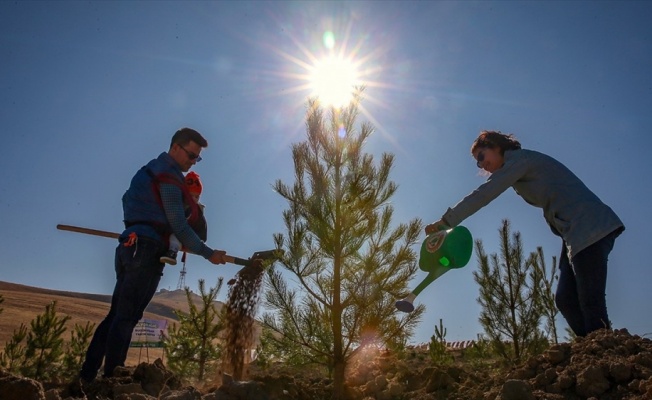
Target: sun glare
<point>331,68</point>
<point>332,80</point>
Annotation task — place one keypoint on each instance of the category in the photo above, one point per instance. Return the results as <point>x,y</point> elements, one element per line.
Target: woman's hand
<point>435,227</point>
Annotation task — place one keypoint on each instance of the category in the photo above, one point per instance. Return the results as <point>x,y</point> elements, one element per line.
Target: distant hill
<point>23,303</point>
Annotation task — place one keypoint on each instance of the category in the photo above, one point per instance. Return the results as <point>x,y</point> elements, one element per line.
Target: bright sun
<point>333,79</point>
<point>331,71</point>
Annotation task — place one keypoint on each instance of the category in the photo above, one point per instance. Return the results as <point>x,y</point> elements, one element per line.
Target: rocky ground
<point>606,365</point>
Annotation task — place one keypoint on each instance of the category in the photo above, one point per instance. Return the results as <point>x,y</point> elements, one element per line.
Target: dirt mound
<point>606,365</point>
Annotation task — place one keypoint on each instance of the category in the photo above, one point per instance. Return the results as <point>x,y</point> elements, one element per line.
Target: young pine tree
<point>437,346</point>
<point>349,262</point>
<point>479,353</point>
<point>76,349</point>
<point>192,348</point>
<point>510,296</point>
<point>44,350</point>
<point>550,311</point>
<point>12,357</point>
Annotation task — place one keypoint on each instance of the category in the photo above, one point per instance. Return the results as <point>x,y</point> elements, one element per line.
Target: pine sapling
<point>12,357</point>
<point>437,347</point>
<point>76,349</point>
<point>45,344</point>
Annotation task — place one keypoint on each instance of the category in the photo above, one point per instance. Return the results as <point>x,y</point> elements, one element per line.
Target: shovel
<point>258,255</point>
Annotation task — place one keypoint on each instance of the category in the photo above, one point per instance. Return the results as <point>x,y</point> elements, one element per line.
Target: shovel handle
<point>267,254</point>
<point>88,231</point>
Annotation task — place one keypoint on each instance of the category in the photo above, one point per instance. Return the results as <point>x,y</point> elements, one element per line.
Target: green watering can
<point>440,252</point>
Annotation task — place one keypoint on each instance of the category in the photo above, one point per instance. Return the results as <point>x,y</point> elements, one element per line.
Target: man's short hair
<point>186,135</point>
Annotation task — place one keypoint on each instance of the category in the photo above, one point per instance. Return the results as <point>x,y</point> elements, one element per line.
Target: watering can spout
<point>406,304</point>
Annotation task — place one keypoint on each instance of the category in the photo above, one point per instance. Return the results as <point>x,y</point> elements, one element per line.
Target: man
<point>156,205</point>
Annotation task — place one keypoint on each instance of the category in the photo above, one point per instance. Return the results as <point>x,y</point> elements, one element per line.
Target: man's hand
<point>218,257</point>
<point>435,227</point>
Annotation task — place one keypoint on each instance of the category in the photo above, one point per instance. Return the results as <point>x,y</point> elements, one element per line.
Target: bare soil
<point>606,365</point>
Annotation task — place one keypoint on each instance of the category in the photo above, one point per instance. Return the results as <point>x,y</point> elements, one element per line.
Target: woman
<point>587,226</point>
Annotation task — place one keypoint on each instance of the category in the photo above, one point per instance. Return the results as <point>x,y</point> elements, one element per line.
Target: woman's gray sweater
<point>572,210</point>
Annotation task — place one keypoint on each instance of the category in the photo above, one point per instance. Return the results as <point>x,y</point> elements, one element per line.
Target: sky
<point>91,91</point>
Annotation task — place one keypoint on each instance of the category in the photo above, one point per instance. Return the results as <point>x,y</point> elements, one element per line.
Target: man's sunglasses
<point>191,155</point>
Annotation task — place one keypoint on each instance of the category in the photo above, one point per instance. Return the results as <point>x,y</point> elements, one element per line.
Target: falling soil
<point>241,307</point>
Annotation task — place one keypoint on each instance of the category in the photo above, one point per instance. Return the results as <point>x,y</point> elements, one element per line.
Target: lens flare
<point>329,40</point>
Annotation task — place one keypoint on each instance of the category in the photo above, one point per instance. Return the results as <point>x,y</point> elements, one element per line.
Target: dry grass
<point>23,303</point>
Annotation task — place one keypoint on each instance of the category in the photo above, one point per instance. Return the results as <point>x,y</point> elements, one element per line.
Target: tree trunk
<point>338,379</point>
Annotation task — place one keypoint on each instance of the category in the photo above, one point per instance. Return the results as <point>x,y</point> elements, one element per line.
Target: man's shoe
<point>170,257</point>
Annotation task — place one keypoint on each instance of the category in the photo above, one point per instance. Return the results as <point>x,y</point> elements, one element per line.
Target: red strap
<point>187,197</point>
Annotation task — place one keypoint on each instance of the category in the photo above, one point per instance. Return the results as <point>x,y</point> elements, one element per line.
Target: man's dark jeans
<point>581,289</point>
<point>138,272</point>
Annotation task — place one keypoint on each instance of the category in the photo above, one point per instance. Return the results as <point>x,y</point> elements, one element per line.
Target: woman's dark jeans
<point>138,272</point>
<point>581,289</point>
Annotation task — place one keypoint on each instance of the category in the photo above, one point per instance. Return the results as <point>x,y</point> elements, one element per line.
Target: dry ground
<point>23,303</point>
<point>606,365</point>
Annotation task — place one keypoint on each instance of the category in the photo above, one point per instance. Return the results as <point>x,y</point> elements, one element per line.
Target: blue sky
<point>91,91</point>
